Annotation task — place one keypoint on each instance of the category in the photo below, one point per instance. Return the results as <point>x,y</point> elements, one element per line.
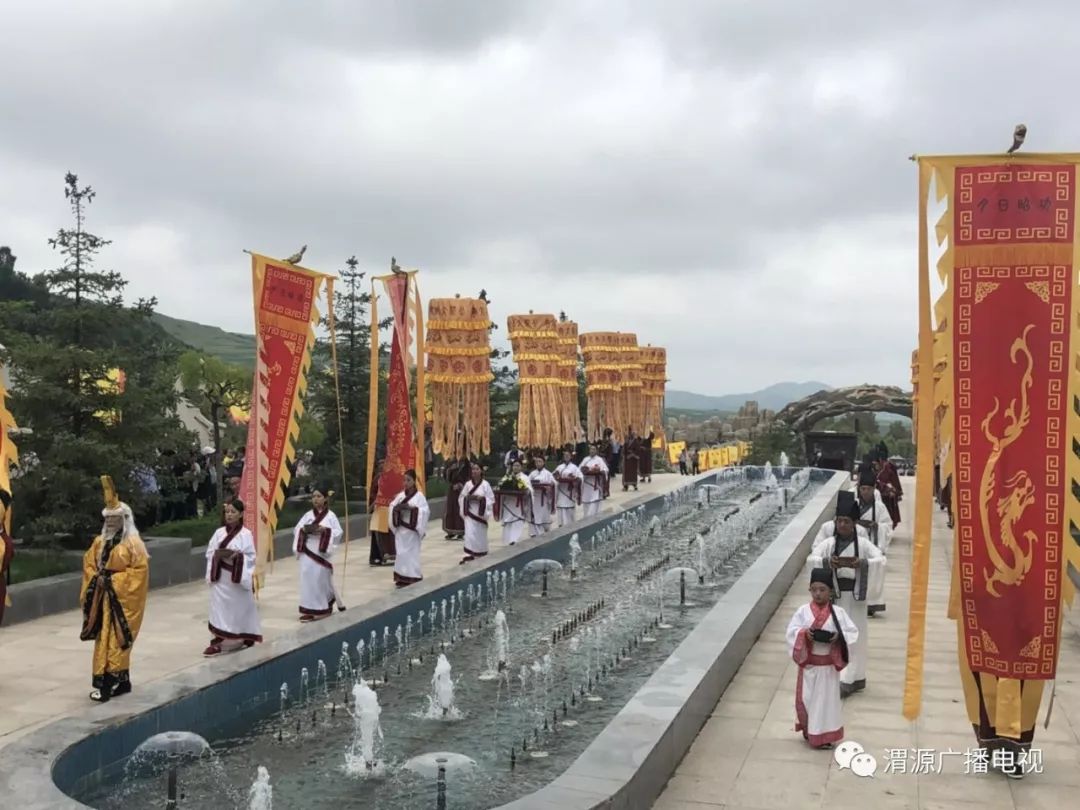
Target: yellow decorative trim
<point>470,379</point>
<point>458,326</point>
<point>454,351</point>
<point>540,381</point>
<point>1041,289</point>
<point>1031,649</point>
<point>988,643</point>
<point>536,357</point>
<point>983,289</point>
<point>534,333</point>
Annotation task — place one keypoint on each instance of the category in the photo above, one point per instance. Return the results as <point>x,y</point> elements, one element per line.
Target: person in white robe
<point>819,639</point>
<point>409,514</point>
<point>513,502</point>
<point>543,497</point>
<point>568,479</point>
<point>875,518</point>
<point>594,484</point>
<point>477,502</point>
<point>230,573</point>
<point>858,567</point>
<point>316,535</point>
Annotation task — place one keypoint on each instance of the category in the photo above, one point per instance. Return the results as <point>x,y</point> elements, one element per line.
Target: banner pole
<point>341,429</point>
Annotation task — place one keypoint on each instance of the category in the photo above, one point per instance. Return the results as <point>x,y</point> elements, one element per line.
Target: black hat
<point>866,475</point>
<point>5,498</point>
<point>237,504</point>
<point>846,505</point>
<point>822,575</point>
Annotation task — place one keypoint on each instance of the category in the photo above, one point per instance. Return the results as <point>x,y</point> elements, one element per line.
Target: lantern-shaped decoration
<point>603,377</point>
<point>630,382</point>
<point>568,381</point>
<point>535,342</point>
<point>459,375</point>
<point>654,380</point>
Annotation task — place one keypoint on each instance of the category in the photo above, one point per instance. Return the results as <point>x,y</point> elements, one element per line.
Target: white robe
<point>818,694</point>
<point>854,675</point>
<point>564,499</point>
<point>541,511</point>
<point>407,541</point>
<point>875,592</point>
<point>514,514</point>
<point>592,487</point>
<point>317,592</point>
<point>476,533</point>
<point>234,613</point>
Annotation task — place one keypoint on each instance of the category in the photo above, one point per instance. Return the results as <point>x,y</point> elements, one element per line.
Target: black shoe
<point>122,688</point>
<point>105,691</point>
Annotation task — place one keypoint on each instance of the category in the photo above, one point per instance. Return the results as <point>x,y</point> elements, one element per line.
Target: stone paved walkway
<point>747,756</point>
<point>45,669</point>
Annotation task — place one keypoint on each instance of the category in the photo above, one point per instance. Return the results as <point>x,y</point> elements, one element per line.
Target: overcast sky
<point>726,179</point>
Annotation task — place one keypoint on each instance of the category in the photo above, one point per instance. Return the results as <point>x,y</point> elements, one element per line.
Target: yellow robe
<point>113,608</point>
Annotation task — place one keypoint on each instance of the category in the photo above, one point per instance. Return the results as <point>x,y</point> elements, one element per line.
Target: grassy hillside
<point>774,397</point>
<point>229,346</point>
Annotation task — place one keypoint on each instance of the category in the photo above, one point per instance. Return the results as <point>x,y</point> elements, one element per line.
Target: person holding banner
<point>543,497</point>
<point>631,460</point>
<point>457,476</point>
<point>568,477</point>
<point>476,502</point>
<point>230,573</point>
<point>409,513</point>
<point>314,539</point>
<point>858,568</point>
<point>595,483</point>
<point>115,582</point>
<point>875,519</point>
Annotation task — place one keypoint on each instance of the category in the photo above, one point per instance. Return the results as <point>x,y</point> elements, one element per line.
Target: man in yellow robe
<point>7,551</point>
<point>116,578</point>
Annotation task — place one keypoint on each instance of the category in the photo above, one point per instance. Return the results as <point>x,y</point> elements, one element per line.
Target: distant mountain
<point>229,346</point>
<point>773,398</point>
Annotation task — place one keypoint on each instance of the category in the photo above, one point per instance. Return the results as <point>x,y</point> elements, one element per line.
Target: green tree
<point>65,342</point>
<point>353,332</point>
<point>776,440</point>
<point>217,386</point>
<point>505,396</point>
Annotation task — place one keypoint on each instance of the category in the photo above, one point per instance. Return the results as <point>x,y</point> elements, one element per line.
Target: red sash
<point>233,562</point>
<point>547,492</point>
<point>573,483</point>
<point>476,500</point>
<point>405,522</point>
<point>324,541</point>
<point>517,494</point>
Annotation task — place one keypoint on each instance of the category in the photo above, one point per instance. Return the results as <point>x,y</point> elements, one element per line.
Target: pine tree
<point>353,332</point>
<point>65,347</point>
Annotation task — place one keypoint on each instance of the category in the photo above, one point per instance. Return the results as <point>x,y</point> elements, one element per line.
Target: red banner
<point>400,438</point>
<point>1012,288</point>
<point>284,314</point>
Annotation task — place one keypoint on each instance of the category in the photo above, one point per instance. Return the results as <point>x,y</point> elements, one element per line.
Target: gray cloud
<point>726,179</point>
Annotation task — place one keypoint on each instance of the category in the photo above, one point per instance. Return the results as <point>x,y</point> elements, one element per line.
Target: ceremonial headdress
<point>822,575</point>
<point>114,507</point>
<point>846,505</point>
<point>866,475</point>
<point>325,487</point>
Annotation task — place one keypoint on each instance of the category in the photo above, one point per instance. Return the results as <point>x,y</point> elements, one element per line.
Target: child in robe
<point>818,637</point>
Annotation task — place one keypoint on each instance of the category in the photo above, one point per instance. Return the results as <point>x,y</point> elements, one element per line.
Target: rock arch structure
<point>802,415</point>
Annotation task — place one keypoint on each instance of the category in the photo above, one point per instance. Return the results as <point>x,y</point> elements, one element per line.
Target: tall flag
<point>459,376</point>
<point>568,382</point>
<point>9,455</point>
<point>285,315</point>
<point>654,380</point>
<point>631,384</point>
<point>404,413</point>
<point>603,383</point>
<point>1001,386</point>
<point>535,341</point>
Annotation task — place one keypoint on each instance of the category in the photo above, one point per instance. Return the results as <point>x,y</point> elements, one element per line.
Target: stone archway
<point>802,415</point>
